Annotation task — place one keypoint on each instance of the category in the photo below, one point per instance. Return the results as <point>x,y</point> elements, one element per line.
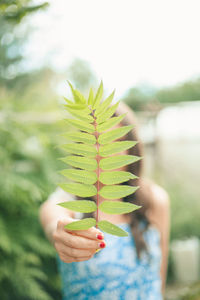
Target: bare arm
<point>72,246</point>
<point>160,216</point>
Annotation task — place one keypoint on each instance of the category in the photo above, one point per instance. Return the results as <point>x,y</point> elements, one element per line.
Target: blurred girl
<point>126,268</point>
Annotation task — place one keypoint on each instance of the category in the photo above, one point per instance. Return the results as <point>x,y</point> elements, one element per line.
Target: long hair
<point>143,196</point>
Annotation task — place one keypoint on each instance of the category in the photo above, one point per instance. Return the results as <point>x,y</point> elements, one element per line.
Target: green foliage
<point>149,99</point>
<point>28,167</point>
<point>94,118</point>
<point>15,11</point>
<point>12,13</point>
<point>187,91</point>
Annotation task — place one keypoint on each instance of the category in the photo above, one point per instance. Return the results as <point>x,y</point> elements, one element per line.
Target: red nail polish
<point>99,236</point>
<point>102,245</point>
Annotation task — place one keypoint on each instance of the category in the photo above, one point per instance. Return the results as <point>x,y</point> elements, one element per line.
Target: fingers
<point>90,233</point>
<point>79,242</point>
<point>73,252</point>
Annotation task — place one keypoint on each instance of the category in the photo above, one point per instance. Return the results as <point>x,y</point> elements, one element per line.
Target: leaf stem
<point>98,169</point>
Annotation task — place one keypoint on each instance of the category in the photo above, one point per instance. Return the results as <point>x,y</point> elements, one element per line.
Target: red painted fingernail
<point>100,237</point>
<point>102,245</point>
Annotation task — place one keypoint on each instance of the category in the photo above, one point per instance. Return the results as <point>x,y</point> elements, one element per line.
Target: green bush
<point>28,174</point>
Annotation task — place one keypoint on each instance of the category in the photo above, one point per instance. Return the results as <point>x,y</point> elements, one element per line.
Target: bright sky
<point>125,42</point>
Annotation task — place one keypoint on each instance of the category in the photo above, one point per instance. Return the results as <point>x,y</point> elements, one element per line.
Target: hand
<point>76,245</point>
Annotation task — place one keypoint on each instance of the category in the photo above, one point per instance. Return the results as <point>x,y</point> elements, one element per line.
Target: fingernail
<point>101,245</point>
<point>99,236</point>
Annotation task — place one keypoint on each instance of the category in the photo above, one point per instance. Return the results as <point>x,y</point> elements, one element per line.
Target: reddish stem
<point>98,169</point>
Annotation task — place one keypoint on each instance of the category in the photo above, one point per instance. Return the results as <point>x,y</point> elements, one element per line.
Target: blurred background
<point>148,51</point>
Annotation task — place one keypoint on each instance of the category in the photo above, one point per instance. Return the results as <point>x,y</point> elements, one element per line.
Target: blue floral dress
<point>115,272</point>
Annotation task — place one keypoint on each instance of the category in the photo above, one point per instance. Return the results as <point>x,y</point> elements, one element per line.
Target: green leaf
<point>117,207</point>
<point>80,162</point>
<point>82,224</point>
<point>83,176</point>
<point>110,123</point>
<point>79,189</point>
<point>111,228</point>
<point>91,97</point>
<point>107,114</point>
<point>68,101</point>
<point>78,97</point>
<point>114,134</point>
<point>117,191</point>
<point>81,137</point>
<point>103,106</point>
<point>80,149</point>
<point>83,206</point>
<point>81,125</point>
<point>77,106</point>
<point>115,162</point>
<point>82,115</point>
<point>116,147</point>
<point>98,96</point>
<point>115,177</point>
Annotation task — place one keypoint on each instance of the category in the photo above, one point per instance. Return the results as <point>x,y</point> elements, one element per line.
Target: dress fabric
<point>115,272</point>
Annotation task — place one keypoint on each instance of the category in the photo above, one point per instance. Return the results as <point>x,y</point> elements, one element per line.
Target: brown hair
<point>143,196</point>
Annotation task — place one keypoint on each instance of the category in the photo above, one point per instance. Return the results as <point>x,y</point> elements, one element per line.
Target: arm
<point>72,246</point>
<point>160,216</point>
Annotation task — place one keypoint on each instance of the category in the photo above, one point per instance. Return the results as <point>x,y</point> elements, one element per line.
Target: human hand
<point>76,245</point>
